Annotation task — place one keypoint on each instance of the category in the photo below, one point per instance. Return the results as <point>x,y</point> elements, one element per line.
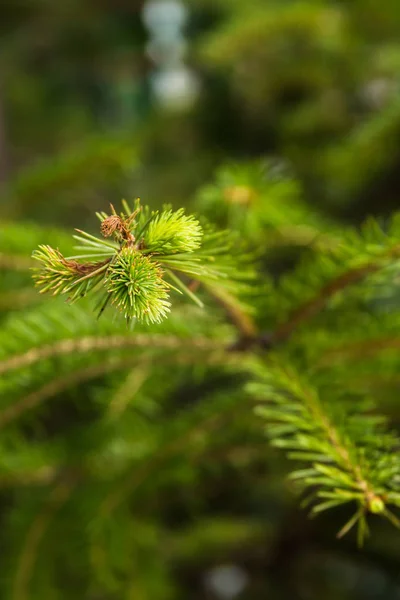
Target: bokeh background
<point>103,99</point>
<point>109,99</point>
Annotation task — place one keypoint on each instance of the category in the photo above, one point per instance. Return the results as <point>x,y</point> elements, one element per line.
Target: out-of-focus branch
<point>4,151</point>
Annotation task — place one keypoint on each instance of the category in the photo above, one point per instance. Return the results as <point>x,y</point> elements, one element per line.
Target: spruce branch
<point>314,305</point>
<point>258,197</point>
<point>143,256</point>
<point>61,275</point>
<point>351,455</point>
<point>357,257</point>
<point>87,344</point>
<point>56,347</point>
<point>185,354</point>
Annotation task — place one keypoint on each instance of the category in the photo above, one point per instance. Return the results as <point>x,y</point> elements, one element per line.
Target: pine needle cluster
<point>134,266</point>
<point>136,286</point>
<point>172,232</point>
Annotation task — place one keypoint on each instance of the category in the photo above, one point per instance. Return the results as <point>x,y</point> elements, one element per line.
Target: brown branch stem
<point>358,350</point>
<point>238,317</point>
<point>316,304</point>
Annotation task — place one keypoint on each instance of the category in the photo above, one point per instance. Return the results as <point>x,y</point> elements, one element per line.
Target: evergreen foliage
<point>282,359</point>
<point>236,405</point>
<point>135,284</point>
<point>130,270</point>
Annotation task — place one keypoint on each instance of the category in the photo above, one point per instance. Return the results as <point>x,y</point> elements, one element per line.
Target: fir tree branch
<point>339,445</point>
<point>131,273</point>
<point>316,304</point>
<point>382,254</point>
<point>71,379</point>
<point>351,454</point>
<point>97,343</point>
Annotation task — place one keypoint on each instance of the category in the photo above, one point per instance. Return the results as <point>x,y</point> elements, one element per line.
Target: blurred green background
<point>109,99</point>
<point>103,99</point>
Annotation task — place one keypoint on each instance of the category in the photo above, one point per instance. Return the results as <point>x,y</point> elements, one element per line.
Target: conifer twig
<point>313,306</point>
<point>146,248</point>
<point>108,342</point>
<point>55,386</point>
<point>335,444</point>
<point>316,304</point>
